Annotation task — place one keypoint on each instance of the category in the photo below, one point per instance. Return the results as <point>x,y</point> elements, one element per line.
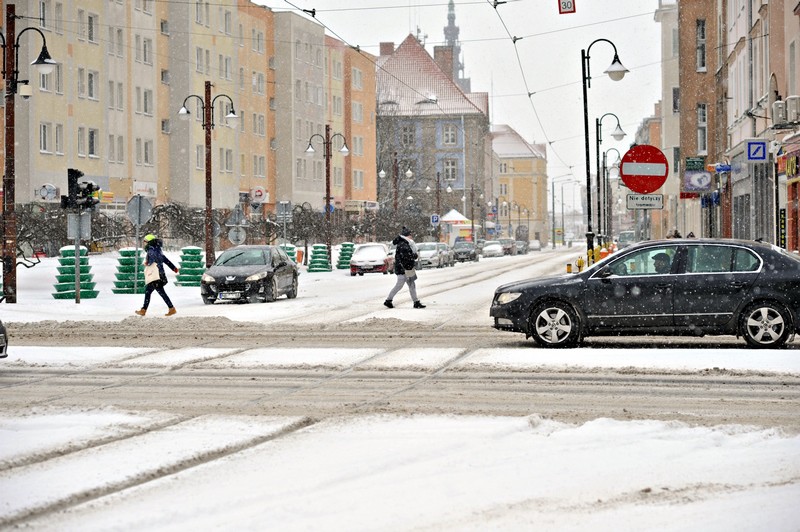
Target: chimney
<point>387,48</point>
<point>443,56</point>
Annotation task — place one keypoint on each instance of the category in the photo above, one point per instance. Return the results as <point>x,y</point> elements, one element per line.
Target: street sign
<point>434,220</point>
<point>644,168</point>
<point>237,235</point>
<point>139,210</point>
<point>645,201</point>
<point>566,7</point>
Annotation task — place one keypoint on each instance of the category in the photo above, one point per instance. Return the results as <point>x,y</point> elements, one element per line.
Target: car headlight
<point>208,279</point>
<point>507,297</point>
<point>256,277</point>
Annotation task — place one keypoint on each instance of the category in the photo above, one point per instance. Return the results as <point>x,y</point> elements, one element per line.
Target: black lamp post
<point>395,177</point>
<point>207,106</point>
<point>617,134</point>
<point>616,72</point>
<point>606,192</point>
<point>45,64</point>
<point>327,141</point>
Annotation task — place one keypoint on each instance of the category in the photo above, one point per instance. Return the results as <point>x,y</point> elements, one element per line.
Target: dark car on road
<point>250,274</point>
<point>665,287</point>
<point>3,341</point>
<point>464,251</point>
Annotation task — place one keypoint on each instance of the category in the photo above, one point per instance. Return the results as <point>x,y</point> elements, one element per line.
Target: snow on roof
<point>506,142</point>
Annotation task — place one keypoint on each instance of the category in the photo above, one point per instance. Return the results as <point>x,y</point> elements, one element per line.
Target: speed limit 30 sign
<point>566,7</point>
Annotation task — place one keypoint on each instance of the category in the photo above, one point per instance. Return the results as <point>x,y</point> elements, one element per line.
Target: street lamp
<point>326,144</point>
<point>606,192</point>
<point>616,72</point>
<point>409,175</point>
<point>438,202</point>
<point>45,65</point>
<point>207,106</point>
<point>617,134</point>
<point>505,208</point>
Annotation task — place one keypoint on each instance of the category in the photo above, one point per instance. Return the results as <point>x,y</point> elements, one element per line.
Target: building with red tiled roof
<point>428,125</point>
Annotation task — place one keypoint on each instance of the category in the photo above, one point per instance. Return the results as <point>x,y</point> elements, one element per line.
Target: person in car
<point>405,256</point>
<point>152,246</point>
<point>662,263</point>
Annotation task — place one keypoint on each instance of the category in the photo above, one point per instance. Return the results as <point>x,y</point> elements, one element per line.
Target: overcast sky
<point>545,61</point>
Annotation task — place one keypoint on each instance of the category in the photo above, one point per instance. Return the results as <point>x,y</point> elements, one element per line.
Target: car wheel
<point>292,293</point>
<point>765,324</point>
<point>554,324</point>
<point>361,273</point>
<point>208,300</point>
<point>271,290</point>
<point>352,274</point>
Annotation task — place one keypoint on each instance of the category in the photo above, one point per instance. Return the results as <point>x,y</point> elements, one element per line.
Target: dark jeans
<point>158,286</point>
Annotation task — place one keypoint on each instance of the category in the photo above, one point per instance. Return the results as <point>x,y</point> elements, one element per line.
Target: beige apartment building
<point>126,68</point>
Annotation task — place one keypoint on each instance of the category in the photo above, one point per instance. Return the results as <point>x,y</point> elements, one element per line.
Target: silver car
<point>429,255</point>
<point>3,341</point>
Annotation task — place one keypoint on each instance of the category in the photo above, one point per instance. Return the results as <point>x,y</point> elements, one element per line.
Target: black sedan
<point>464,251</point>
<point>3,341</point>
<point>667,287</point>
<point>250,274</point>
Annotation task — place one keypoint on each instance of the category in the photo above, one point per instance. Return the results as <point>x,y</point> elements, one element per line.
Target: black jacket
<point>404,256</point>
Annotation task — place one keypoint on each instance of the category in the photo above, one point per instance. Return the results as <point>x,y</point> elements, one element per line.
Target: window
<point>138,144</point>
<point>208,62</point>
<point>149,156</point>
<point>81,142</point>
<point>449,135</point>
<point>111,98</point>
<point>120,96</point>
<point>358,112</point>
<point>702,129</point>
<point>120,43</point>
<point>59,18</point>
<point>229,160</point>
<point>358,146</point>
<point>147,103</point>
<point>165,76</point>
<point>111,147</point>
<point>94,143</point>
<point>337,105</point>
<point>198,59</point>
<point>792,77</point>
<point>228,22</point>
<point>59,147</point>
<point>262,126</point>
<point>138,99</point>
<point>121,149</point>
<point>675,43</point>
<point>676,100</point>
<point>338,177</point>
<point>81,25</point>
<point>701,45</point>
<point>44,137</point>
<point>81,83</point>
<point>199,157</point>
<point>164,27</point>
<point>147,51</point>
<point>44,8</point>
<point>93,85</point>
<point>198,12</point>
<point>44,82</point>
<point>59,79</point>
<point>450,169</point>
<point>407,135</point>
<point>297,89</point>
<point>92,27</point>
<point>262,84</point>
<point>165,125</point>
<point>357,81</point>
<point>358,179</point>
<point>138,46</point>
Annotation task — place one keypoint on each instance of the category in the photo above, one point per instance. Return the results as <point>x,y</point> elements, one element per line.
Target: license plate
<point>366,267</point>
<point>230,295</point>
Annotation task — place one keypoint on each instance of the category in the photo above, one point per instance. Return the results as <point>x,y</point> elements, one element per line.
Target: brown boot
<point>141,311</point>
<point>171,311</point>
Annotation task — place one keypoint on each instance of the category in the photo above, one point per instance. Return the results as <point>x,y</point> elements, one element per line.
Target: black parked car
<point>667,287</point>
<point>464,251</point>
<point>250,273</point>
<point>3,341</point>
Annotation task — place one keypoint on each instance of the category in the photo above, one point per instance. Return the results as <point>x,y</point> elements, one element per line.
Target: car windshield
<point>242,257</point>
<point>370,253</point>
<point>491,243</point>
<point>466,245</point>
<point>426,247</point>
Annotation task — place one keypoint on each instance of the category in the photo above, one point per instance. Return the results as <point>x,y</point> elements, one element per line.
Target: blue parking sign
<point>434,219</point>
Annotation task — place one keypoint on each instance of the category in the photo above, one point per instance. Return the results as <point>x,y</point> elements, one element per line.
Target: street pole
<point>394,169</point>
<point>9,193</point>
<point>327,155</point>
<point>438,209</point>
<point>553,217</point>
<point>208,214</point>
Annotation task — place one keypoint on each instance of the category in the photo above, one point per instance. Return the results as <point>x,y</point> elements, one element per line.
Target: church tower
<point>451,39</point>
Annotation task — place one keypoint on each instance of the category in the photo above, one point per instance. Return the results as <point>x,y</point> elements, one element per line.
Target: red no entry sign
<point>644,169</point>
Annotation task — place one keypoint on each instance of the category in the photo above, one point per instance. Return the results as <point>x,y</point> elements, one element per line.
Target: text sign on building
<point>756,150</point>
<point>645,201</point>
<point>644,168</point>
<point>566,7</point>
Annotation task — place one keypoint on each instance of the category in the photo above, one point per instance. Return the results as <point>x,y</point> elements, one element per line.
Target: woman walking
<point>405,256</point>
<point>155,256</point>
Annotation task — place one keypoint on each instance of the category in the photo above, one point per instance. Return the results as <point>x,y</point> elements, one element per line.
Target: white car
<point>429,255</point>
<point>372,257</point>
<point>492,248</point>
<point>535,245</point>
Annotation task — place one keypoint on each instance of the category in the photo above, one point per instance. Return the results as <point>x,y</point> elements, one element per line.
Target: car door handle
<point>738,284</point>
<point>663,285</point>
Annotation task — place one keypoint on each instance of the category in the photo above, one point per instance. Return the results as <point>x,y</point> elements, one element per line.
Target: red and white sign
<point>566,7</point>
<point>644,169</point>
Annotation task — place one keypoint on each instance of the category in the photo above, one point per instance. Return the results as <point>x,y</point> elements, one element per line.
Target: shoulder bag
<point>151,273</point>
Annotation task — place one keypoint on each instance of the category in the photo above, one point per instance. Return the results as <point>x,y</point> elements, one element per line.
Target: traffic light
<point>71,199</point>
<point>87,194</point>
